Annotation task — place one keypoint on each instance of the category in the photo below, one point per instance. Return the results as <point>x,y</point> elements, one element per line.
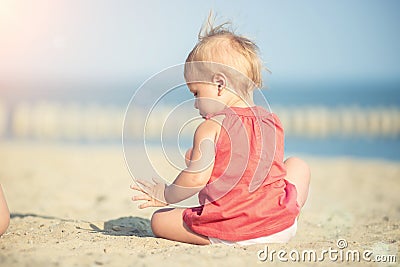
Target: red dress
<point>247,196</point>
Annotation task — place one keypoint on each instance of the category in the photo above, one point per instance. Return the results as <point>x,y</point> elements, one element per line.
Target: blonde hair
<point>221,45</point>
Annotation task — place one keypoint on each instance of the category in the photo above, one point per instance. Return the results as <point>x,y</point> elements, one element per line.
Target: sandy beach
<point>71,206</point>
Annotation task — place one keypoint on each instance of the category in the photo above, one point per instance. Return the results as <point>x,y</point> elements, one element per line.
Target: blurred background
<point>69,68</point>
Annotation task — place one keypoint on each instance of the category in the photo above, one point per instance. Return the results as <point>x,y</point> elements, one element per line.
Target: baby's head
<point>224,60</point>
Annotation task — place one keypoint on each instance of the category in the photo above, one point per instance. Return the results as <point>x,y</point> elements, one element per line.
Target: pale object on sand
<point>4,213</point>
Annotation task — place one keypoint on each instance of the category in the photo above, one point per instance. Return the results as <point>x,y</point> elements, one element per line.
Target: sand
<point>70,206</point>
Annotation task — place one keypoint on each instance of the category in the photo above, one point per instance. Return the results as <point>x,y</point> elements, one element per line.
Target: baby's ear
<point>220,80</point>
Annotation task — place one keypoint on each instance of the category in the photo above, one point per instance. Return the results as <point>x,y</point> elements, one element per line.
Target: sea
<point>293,95</point>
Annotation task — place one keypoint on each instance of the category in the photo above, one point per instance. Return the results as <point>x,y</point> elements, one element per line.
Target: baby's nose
<point>195,104</point>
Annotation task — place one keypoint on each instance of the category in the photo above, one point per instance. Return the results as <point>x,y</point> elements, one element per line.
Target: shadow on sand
<point>124,226</point>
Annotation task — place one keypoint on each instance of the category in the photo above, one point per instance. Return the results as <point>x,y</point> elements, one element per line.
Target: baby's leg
<point>298,173</point>
<point>168,223</point>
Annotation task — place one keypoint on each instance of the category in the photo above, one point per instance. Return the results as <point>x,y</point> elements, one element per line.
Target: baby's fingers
<point>137,188</point>
<point>141,197</point>
<point>145,184</point>
<point>146,205</point>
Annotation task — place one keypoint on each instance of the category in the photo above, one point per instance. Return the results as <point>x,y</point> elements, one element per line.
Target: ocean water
<point>329,94</point>
<point>332,95</point>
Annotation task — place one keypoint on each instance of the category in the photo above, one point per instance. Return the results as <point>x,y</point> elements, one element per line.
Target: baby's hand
<point>188,156</point>
<point>153,194</point>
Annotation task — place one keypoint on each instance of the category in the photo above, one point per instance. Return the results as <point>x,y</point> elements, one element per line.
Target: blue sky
<point>122,40</point>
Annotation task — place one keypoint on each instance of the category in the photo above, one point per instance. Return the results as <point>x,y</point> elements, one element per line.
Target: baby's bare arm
<point>199,167</point>
<point>188,156</point>
<point>200,163</point>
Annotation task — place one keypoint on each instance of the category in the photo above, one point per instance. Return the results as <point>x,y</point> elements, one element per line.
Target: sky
<point>99,41</point>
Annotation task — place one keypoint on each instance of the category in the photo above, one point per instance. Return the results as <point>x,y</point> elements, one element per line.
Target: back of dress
<point>247,196</point>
